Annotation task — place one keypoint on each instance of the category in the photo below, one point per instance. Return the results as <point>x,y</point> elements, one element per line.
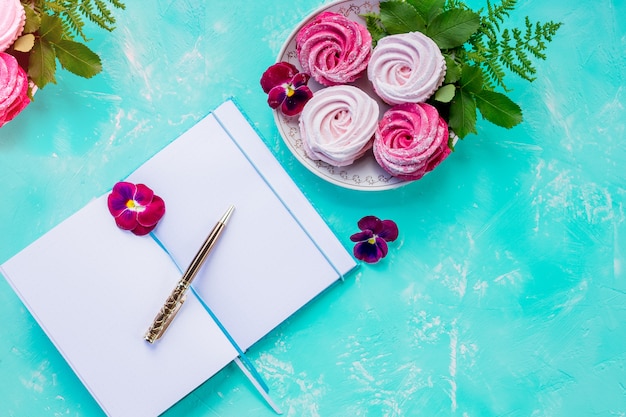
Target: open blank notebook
<point>95,289</point>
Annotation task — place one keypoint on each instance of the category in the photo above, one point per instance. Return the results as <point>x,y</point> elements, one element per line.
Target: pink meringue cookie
<point>411,140</point>
<point>333,49</point>
<point>406,68</point>
<point>337,125</point>
<point>13,88</point>
<point>12,20</point>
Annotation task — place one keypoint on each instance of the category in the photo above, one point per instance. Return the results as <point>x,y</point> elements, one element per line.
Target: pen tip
<point>228,213</point>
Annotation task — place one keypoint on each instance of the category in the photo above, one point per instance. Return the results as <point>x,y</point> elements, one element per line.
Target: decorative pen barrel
<point>167,313</point>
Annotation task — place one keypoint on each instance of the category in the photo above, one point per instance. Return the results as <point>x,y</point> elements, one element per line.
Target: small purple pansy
<point>286,88</point>
<point>372,240</point>
<point>135,207</point>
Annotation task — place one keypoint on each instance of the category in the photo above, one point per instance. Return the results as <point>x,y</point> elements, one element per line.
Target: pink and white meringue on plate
<point>333,49</point>
<point>337,125</point>
<point>406,68</point>
<point>12,20</point>
<point>13,88</point>
<point>411,140</point>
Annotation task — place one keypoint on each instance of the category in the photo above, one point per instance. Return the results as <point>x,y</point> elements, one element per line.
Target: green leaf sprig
<point>477,50</point>
<point>51,33</point>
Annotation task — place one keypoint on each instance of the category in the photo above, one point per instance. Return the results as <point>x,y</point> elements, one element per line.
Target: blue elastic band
<point>232,341</point>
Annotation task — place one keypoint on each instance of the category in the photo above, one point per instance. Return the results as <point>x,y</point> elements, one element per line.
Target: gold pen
<point>177,297</point>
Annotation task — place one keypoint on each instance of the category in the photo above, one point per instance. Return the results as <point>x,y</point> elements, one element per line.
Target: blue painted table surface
<point>505,294</point>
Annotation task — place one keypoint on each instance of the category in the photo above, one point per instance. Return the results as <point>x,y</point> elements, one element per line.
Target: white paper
<point>95,289</point>
<point>252,145</point>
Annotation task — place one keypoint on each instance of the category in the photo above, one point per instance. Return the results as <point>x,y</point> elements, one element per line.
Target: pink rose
<point>13,88</point>
<point>411,140</point>
<point>406,68</point>
<point>12,21</point>
<point>333,49</point>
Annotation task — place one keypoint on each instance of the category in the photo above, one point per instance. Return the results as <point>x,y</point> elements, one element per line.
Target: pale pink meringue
<point>13,88</point>
<point>337,125</point>
<point>333,49</point>
<point>406,68</point>
<point>411,140</point>
<point>12,20</point>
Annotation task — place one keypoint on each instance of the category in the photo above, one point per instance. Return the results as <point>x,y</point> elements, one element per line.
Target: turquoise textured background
<point>505,294</point>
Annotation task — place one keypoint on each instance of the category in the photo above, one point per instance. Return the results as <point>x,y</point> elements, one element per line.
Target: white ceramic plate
<point>364,174</point>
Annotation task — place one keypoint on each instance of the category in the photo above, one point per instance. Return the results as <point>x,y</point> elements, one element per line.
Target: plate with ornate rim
<point>364,174</point>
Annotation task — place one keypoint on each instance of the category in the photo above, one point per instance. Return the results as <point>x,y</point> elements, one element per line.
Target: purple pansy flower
<point>372,239</point>
<point>135,207</point>
<point>286,88</point>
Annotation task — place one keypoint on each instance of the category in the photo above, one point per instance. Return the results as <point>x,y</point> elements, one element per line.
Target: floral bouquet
<point>432,64</point>
<point>35,34</point>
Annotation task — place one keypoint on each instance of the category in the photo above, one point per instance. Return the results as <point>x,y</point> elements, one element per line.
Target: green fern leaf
<point>462,118</point>
<point>498,109</point>
<point>33,21</point>
<point>374,26</point>
<point>117,4</point>
<point>428,9</point>
<point>471,79</point>
<point>74,21</point>
<point>42,63</point>
<point>400,17</point>
<point>51,28</point>
<point>453,28</point>
<point>78,58</point>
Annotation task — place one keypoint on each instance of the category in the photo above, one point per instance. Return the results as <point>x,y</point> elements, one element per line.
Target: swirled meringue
<point>406,68</point>
<point>411,139</point>
<point>13,88</point>
<point>12,20</point>
<point>337,125</point>
<point>333,49</point>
